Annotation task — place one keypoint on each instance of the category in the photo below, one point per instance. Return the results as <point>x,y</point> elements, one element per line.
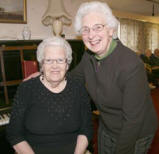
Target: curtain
<point>138,35</point>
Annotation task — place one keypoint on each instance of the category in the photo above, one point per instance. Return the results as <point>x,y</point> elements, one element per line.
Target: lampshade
<point>56,15</point>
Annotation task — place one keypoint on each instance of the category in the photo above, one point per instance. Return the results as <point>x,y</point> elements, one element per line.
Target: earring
<point>42,75</point>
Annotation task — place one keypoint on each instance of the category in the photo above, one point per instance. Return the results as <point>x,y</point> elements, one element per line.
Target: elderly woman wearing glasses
<point>51,113</point>
<point>116,81</point>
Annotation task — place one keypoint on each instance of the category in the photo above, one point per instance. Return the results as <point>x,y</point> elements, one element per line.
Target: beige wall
<point>35,11</point>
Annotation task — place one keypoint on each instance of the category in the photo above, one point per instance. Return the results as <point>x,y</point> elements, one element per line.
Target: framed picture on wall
<point>13,11</point>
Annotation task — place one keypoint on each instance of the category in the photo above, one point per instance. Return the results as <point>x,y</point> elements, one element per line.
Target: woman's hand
<point>32,76</point>
<point>81,144</point>
<point>23,148</point>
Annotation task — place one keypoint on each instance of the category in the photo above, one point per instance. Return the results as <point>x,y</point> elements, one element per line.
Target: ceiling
<point>142,7</point>
<point>131,9</point>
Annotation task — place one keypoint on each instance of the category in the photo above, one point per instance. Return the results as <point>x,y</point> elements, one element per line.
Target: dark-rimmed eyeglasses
<point>96,28</point>
<point>51,61</point>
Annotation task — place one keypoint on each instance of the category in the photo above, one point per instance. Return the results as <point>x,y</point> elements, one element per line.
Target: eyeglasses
<point>96,28</point>
<point>51,61</point>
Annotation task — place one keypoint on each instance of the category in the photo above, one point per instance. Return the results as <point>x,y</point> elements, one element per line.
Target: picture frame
<point>13,11</point>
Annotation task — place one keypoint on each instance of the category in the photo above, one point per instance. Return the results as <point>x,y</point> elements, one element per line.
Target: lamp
<point>56,16</point>
<point>153,5</point>
<point>153,10</point>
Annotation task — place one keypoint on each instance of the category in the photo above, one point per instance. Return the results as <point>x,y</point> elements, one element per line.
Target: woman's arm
<point>81,145</point>
<point>78,71</point>
<point>15,131</point>
<point>135,91</point>
<point>23,148</point>
<point>86,128</point>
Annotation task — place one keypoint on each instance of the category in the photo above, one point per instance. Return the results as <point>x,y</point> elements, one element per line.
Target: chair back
<point>29,67</point>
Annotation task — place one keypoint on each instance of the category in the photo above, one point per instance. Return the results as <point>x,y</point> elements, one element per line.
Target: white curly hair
<point>54,41</point>
<point>95,6</point>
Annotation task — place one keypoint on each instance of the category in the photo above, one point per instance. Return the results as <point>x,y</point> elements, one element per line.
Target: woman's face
<point>96,40</point>
<point>148,53</point>
<point>54,64</point>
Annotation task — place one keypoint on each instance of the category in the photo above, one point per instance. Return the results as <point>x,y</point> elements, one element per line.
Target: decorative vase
<point>26,33</point>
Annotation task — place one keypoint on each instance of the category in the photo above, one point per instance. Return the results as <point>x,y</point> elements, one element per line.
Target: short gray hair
<point>95,6</point>
<point>54,41</point>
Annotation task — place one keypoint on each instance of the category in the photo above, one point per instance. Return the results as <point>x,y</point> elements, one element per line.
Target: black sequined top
<point>42,117</point>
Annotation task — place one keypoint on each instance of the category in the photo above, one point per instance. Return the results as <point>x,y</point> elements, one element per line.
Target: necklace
<point>54,87</point>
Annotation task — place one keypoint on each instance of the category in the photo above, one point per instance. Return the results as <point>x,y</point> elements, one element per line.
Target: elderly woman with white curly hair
<point>51,113</point>
<point>116,81</point>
